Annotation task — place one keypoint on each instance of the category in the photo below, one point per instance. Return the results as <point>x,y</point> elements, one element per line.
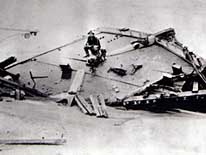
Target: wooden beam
<point>33,141</point>
<point>82,108</point>
<point>95,105</point>
<point>121,34</point>
<point>136,91</point>
<point>85,104</point>
<point>77,82</point>
<point>165,31</point>
<point>103,105</point>
<point>195,87</point>
<point>7,62</point>
<point>196,68</point>
<point>70,99</point>
<point>100,110</point>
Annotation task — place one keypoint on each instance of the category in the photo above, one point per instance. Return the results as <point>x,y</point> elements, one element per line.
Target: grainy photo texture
<point>102,77</point>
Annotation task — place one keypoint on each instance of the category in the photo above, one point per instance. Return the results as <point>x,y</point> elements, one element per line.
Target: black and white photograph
<point>102,77</point>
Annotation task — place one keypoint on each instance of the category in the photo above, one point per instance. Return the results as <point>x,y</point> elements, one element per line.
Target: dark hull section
<point>186,100</point>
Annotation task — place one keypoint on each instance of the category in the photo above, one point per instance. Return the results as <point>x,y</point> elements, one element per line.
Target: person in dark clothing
<point>92,44</point>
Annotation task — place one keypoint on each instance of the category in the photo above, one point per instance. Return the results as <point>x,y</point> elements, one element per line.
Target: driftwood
<point>33,141</point>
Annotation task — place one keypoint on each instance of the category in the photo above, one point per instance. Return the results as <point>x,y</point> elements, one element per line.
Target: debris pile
<point>172,91</point>
<point>10,84</point>
<point>94,106</point>
<point>176,89</point>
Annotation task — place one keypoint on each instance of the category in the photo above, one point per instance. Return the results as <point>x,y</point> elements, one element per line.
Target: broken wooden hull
<point>155,57</point>
<point>184,100</point>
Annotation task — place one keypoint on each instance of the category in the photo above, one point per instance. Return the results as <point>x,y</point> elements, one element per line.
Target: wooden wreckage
<point>140,71</point>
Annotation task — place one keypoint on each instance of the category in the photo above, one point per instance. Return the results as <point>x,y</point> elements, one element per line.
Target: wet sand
<point>125,132</point>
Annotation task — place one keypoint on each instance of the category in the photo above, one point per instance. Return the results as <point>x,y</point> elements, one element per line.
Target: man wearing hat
<point>92,44</point>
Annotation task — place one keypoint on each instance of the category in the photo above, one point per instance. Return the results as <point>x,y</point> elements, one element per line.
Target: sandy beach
<point>125,132</point>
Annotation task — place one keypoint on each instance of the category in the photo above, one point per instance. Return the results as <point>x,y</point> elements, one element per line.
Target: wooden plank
<point>85,104</point>
<point>126,49</point>
<point>95,105</point>
<point>82,108</point>
<point>7,62</point>
<point>77,82</point>
<point>70,99</point>
<point>195,87</point>
<point>165,31</point>
<point>33,141</point>
<point>136,91</point>
<point>103,105</point>
<point>121,34</point>
<point>100,110</point>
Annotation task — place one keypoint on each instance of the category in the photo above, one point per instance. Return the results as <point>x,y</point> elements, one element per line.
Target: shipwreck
<point>139,71</point>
